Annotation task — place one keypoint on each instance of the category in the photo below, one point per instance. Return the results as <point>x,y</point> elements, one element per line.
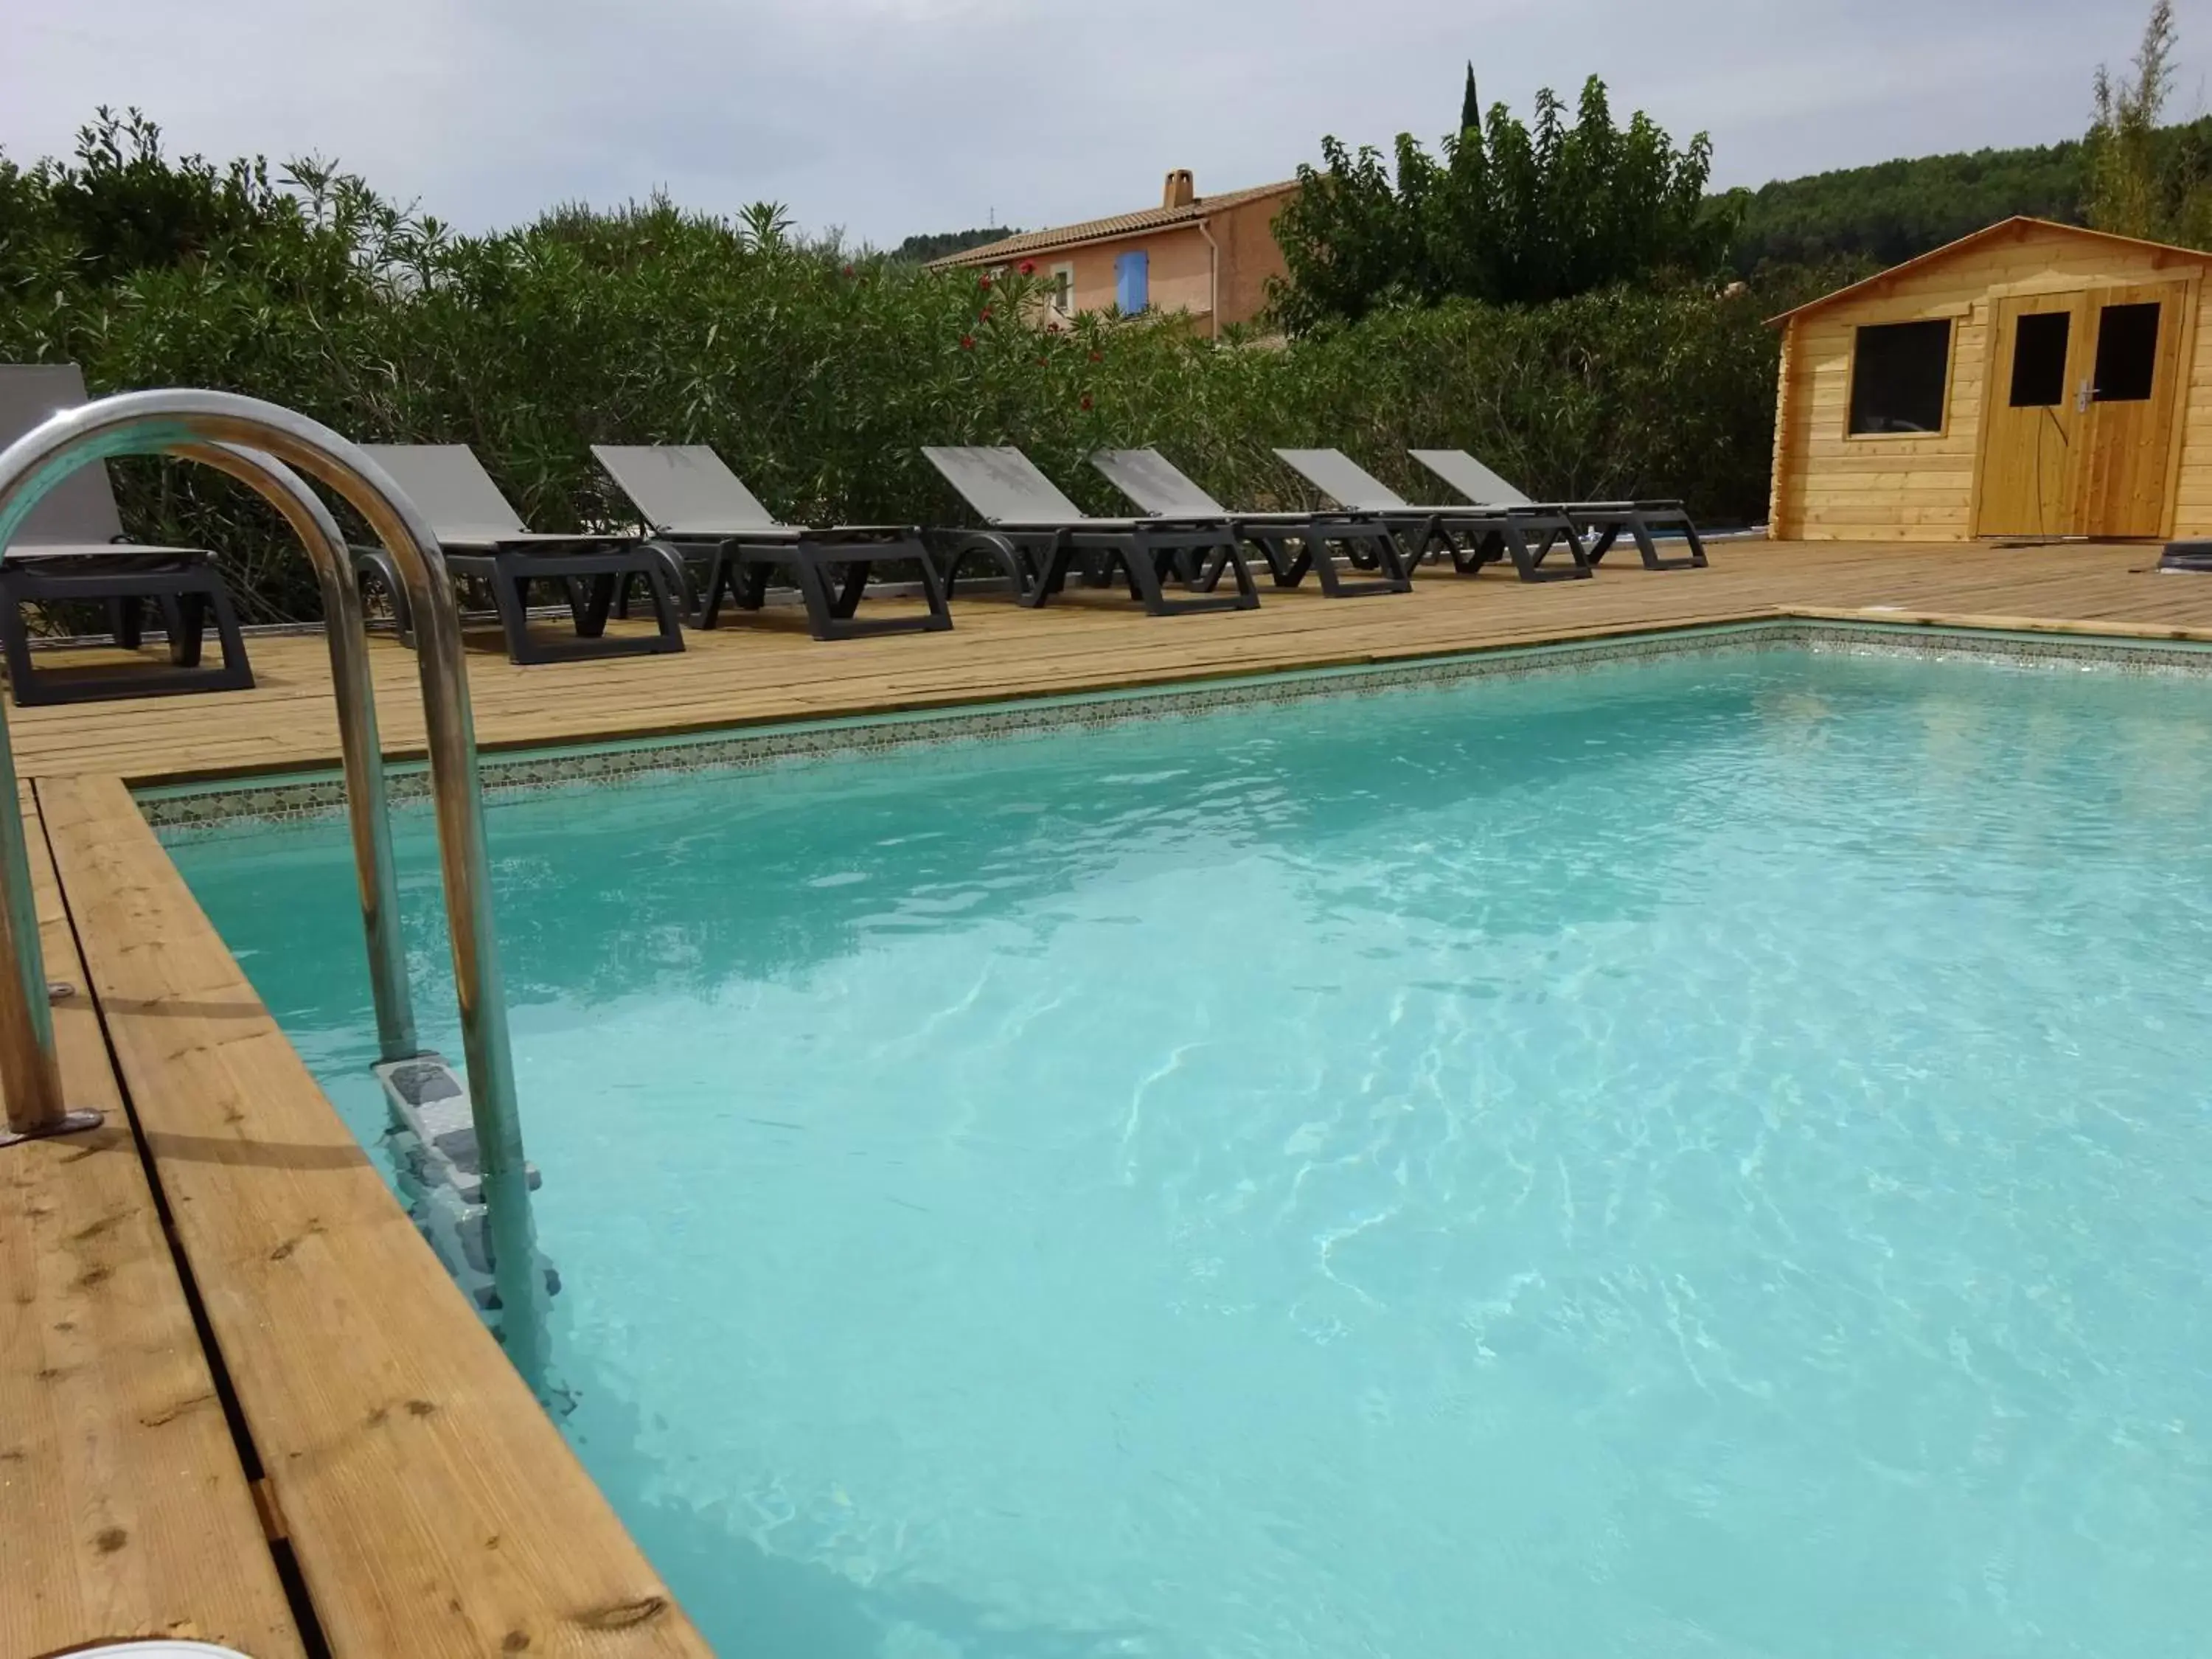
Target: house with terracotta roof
<point>1208,257</point>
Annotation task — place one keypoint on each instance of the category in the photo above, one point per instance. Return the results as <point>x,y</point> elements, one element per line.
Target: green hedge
<point>818,376</point>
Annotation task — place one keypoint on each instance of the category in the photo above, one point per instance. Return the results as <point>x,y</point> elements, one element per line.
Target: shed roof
<point>1099,230</point>
<point>2019,225</point>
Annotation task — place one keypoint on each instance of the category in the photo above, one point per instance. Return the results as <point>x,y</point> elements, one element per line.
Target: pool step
<point>433,1144</point>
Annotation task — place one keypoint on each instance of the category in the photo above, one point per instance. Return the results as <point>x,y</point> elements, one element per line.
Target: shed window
<point>2039,359</point>
<point>1898,371</point>
<point>2127,353</point>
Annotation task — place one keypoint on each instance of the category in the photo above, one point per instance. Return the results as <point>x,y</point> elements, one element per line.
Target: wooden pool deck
<point>240,1399</point>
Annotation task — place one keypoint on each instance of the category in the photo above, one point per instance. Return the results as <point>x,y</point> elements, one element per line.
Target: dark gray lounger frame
<point>1603,520</point>
<point>1039,536</point>
<point>481,535</point>
<point>725,543</point>
<point>1474,535</point>
<point>1158,486</point>
<point>72,547</point>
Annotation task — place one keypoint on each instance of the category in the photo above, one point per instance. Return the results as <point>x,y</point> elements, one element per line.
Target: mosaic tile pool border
<point>179,809</point>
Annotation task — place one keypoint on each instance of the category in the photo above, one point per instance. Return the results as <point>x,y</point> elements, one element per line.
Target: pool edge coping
<point>178,809</point>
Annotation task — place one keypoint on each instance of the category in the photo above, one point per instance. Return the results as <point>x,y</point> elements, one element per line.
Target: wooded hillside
<point>1896,210</point>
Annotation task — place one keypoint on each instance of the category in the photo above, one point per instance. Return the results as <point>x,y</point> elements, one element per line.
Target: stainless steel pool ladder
<point>259,444</point>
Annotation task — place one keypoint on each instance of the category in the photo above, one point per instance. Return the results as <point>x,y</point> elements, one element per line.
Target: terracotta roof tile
<point>1095,230</point>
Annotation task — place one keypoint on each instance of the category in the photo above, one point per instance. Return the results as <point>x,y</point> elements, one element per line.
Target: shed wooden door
<point>2030,432</point>
<point>2128,403</point>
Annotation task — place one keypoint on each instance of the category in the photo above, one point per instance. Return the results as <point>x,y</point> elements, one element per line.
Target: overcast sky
<point>886,117</point>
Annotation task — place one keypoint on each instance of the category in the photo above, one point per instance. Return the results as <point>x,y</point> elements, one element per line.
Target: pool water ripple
<point>1700,1158</point>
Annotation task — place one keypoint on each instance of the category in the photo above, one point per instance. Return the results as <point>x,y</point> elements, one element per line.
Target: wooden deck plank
<point>123,1507</point>
<point>433,1507</point>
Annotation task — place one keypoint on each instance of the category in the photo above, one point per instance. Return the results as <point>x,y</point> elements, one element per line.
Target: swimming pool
<point>1711,1157</point>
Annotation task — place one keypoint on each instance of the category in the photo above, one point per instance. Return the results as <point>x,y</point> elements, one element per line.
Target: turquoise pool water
<point>1711,1157</point>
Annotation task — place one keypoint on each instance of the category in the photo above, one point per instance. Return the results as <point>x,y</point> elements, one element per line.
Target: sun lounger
<point>1474,535</point>
<point>72,547</point>
<point>482,536</point>
<point>1158,486</point>
<point>695,504</point>
<point>1040,535</point>
<point>1605,520</point>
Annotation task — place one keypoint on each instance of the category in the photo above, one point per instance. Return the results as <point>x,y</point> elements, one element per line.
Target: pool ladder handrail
<point>260,444</point>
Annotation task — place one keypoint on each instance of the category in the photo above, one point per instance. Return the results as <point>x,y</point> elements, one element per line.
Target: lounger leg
<point>1284,569</point>
<point>1390,579</point>
<point>510,592</point>
<point>1140,560</point>
<point>598,594</point>
<point>1526,560</point>
<point>1020,567</point>
<point>1606,535</point>
<point>1051,565</point>
<point>1644,549</point>
<point>124,621</point>
<point>183,617</point>
<point>1144,579</point>
<point>1516,543</point>
<point>15,645</point>
<point>814,591</point>
<point>850,590</point>
<point>237,673</point>
<point>935,589</point>
<point>666,610</point>
<point>721,578</point>
<point>1641,529</point>
<point>1390,560</point>
<point>374,566</point>
<point>1248,590</point>
<point>1322,559</point>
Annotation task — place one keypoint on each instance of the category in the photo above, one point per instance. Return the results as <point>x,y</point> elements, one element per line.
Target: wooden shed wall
<point>1828,485</point>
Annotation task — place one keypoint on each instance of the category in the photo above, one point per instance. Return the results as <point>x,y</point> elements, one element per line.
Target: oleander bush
<point>817,371</point>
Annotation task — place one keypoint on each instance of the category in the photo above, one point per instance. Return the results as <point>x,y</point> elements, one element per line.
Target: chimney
<point>1181,190</point>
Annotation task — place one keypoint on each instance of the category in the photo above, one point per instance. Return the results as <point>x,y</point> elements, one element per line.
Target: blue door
<point>1132,281</point>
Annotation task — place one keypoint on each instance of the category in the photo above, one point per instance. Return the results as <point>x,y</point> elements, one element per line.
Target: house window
<point>1062,285</point>
<point>1898,374</point>
<point>2127,353</point>
<point>2039,359</point>
<point>1132,282</point>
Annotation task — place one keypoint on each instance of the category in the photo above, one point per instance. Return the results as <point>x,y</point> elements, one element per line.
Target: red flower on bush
<point>1052,328</point>
<point>986,312</point>
<point>1095,357</point>
<point>1028,267</point>
<point>849,271</point>
<point>983,282</point>
<point>1086,400</point>
<point>1043,362</point>
<point>967,343</point>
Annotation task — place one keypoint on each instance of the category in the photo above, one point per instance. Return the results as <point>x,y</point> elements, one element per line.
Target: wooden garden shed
<point>2032,379</point>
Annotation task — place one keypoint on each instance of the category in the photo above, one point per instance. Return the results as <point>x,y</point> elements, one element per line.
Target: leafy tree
<point>1510,213</point>
<point>2139,182</point>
